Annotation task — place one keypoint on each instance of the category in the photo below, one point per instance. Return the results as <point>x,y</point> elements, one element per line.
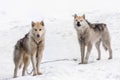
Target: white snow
<point>62,53</point>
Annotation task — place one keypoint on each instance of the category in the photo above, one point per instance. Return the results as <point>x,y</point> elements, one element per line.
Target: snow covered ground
<point>62,53</point>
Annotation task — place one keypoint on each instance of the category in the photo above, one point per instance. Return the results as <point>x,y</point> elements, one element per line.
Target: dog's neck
<point>36,42</point>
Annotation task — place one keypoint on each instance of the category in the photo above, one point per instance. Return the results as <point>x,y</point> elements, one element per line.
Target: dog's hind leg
<point>17,60</point>
<point>26,61</point>
<point>107,43</point>
<point>110,52</point>
<point>16,69</point>
<point>98,49</point>
<point>89,47</point>
<point>107,46</point>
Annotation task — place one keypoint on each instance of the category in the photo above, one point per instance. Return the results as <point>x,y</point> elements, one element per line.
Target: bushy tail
<point>106,38</point>
<point>17,56</point>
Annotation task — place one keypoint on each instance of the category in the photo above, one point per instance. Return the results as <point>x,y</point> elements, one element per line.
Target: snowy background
<point>62,47</point>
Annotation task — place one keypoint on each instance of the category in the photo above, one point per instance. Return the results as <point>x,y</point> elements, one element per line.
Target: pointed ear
<point>83,16</point>
<point>75,15</point>
<point>42,23</point>
<point>33,24</point>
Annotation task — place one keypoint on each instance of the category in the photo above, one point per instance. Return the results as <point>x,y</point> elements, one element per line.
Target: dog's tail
<point>17,55</point>
<point>106,39</point>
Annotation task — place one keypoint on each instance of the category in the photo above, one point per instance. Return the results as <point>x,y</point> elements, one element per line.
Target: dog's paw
<point>85,62</point>
<point>15,76</point>
<point>34,74</point>
<point>81,63</point>
<point>39,73</point>
<point>98,59</point>
<point>110,58</point>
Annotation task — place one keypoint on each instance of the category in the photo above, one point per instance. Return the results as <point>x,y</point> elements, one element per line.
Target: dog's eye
<point>40,29</point>
<point>76,20</point>
<point>35,29</point>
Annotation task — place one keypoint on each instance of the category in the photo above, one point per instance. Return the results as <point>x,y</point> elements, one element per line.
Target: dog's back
<point>98,31</point>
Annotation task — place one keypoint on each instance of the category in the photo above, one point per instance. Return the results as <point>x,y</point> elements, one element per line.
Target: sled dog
<point>30,47</point>
<point>89,34</point>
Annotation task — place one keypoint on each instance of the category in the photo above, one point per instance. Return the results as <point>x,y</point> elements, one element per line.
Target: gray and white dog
<point>88,34</point>
<point>29,48</point>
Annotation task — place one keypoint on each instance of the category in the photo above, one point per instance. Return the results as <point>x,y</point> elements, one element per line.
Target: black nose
<point>38,35</point>
<point>78,24</point>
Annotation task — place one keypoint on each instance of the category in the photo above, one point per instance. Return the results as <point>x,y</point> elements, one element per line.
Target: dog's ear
<point>33,24</point>
<point>83,16</point>
<point>42,23</point>
<point>75,15</point>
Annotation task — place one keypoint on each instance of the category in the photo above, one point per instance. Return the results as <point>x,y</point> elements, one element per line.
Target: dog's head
<point>79,21</point>
<point>38,29</point>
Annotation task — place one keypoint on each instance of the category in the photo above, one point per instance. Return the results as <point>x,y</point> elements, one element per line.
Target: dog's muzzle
<point>38,35</point>
<point>78,24</point>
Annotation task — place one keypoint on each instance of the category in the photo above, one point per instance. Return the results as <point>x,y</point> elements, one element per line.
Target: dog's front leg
<point>82,46</point>
<point>33,59</point>
<point>40,52</point>
<point>89,47</point>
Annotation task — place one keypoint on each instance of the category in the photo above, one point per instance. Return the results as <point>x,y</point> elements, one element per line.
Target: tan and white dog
<point>88,34</point>
<point>30,48</point>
